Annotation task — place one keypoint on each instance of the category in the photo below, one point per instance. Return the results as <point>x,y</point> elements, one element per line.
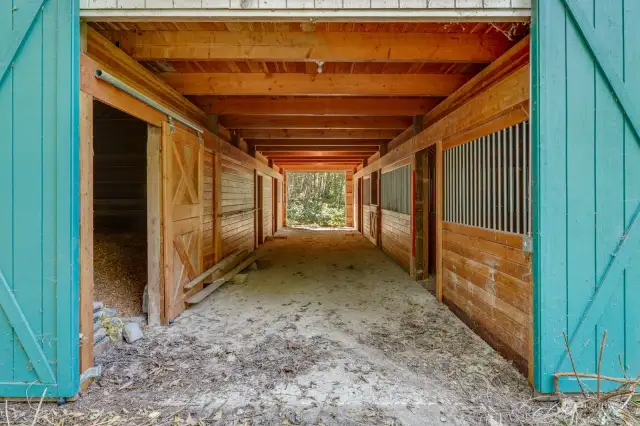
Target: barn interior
<point>428,120</point>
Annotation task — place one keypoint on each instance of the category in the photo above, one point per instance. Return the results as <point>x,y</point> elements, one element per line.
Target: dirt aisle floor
<point>332,332</point>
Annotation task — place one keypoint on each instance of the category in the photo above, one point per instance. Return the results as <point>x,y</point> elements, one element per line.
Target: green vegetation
<point>316,198</point>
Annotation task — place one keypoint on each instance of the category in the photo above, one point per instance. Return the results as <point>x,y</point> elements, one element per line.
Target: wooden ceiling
<point>315,93</point>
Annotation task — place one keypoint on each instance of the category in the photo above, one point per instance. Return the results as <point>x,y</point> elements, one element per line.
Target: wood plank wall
<point>267,206</point>
<point>396,237</point>
<point>487,282</point>
<point>207,212</point>
<point>370,222</point>
<point>349,195</point>
<point>238,206</point>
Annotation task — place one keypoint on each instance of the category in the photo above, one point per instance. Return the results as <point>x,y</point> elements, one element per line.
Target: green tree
<point>316,198</point>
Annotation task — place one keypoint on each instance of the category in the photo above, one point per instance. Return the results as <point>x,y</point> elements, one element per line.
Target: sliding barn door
<point>586,153</point>
<point>183,195</point>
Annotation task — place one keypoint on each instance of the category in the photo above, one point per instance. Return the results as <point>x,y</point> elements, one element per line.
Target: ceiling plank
<point>262,143</point>
<point>267,150</point>
<point>258,84</point>
<point>264,122</point>
<point>322,167</point>
<point>310,46</point>
<point>316,106</point>
<point>287,154</point>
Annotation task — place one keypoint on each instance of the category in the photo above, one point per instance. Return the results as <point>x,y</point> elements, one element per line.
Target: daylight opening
<point>316,199</point>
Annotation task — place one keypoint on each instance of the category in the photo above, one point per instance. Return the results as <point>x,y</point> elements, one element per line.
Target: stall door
<point>39,198</point>
<point>586,153</point>
<point>183,194</point>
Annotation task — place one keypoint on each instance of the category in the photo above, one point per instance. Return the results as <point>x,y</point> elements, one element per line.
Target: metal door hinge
<point>171,126</point>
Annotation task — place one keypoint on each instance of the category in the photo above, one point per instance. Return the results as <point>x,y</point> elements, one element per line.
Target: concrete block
<point>132,332</point>
<point>100,348</point>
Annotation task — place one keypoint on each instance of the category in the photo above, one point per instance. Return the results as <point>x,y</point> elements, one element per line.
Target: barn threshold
<point>331,331</point>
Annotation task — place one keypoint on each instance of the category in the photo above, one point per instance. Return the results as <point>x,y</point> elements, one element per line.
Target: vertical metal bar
<point>493,181</point>
<point>456,183</point>
<point>512,212</point>
<point>517,166</point>
<point>483,184</point>
<point>465,186</point>
<point>474,187</point>
<point>503,202</point>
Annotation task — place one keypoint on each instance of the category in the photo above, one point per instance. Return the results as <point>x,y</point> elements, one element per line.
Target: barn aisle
<point>329,331</point>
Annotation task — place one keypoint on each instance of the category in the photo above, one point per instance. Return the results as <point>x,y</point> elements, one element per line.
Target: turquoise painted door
<point>586,95</point>
<point>38,198</point>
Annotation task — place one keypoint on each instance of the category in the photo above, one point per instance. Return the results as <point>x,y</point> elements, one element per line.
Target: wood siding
<point>238,206</point>
<point>396,237</point>
<point>280,205</point>
<point>487,282</point>
<point>207,214</point>
<point>304,4</point>
<point>370,221</point>
<point>267,206</point>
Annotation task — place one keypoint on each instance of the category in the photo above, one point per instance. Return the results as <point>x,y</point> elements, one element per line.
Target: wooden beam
<point>267,150</point>
<point>317,134</point>
<point>353,123</point>
<point>134,74</point>
<point>285,160</point>
<point>276,154</point>
<point>86,232</point>
<point>289,84</point>
<point>316,106</point>
<point>310,46</point>
<point>439,219</point>
<point>154,228</point>
<point>505,98</point>
<point>318,167</point>
<point>264,143</point>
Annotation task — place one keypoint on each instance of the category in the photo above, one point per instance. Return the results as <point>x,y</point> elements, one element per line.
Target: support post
<point>439,216</point>
<point>86,232</point>
<point>284,199</point>
<point>154,224</point>
<point>349,198</point>
<point>217,208</point>
<point>417,216</point>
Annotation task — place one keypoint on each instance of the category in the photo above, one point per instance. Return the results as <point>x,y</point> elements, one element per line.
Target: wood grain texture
<point>487,277</point>
<point>349,197</point>
<point>237,205</point>
<point>154,224</point>
<point>396,237</point>
<point>319,122</point>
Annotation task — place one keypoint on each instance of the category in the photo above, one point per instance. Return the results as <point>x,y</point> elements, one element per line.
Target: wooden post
<point>417,216</point>
<point>86,232</point>
<point>349,197</point>
<point>439,213</point>
<point>284,199</point>
<point>154,224</point>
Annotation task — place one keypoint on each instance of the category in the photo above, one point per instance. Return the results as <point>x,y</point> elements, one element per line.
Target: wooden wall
<point>120,170</point>
<point>280,204</point>
<point>370,223</point>
<point>349,195</point>
<point>487,282</point>
<point>207,218</point>
<point>238,206</point>
<point>396,237</point>
<point>267,206</point>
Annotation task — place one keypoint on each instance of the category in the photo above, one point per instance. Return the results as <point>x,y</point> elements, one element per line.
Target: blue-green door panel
<point>39,198</point>
<point>586,187</point>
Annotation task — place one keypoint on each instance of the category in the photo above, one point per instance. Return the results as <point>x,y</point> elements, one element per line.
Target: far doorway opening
<point>316,199</point>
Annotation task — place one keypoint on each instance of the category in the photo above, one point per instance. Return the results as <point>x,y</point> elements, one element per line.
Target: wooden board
<point>208,236</point>
<point>349,197</point>
<point>396,237</point>
<point>267,206</point>
<point>155,258</point>
<point>183,194</point>
<point>237,208</point>
<point>487,277</point>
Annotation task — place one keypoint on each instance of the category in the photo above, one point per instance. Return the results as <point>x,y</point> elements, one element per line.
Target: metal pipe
<point>493,181</point>
<point>517,142</point>
<point>114,81</point>
<point>511,185</point>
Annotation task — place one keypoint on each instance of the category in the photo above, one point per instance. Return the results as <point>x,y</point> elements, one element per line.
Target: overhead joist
<point>270,150</point>
<point>505,103</point>
<point>295,154</point>
<point>284,160</point>
<point>290,84</point>
<point>268,143</point>
<point>310,46</point>
<point>263,122</point>
<point>317,134</point>
<point>316,106</point>
<point>326,167</point>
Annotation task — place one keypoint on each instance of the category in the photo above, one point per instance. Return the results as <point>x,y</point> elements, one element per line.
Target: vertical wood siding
<point>586,187</point>
<point>39,224</point>
<point>396,237</point>
<point>238,204</point>
<point>349,194</point>
<point>306,4</point>
<point>207,213</point>
<point>267,206</point>
<point>487,282</point>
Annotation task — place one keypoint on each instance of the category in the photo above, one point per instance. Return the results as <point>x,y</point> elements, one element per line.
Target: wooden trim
<point>154,227</point>
<point>86,232</point>
<point>504,238</point>
<point>400,163</point>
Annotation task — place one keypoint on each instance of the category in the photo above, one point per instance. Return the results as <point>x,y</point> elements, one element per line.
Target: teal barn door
<point>39,198</point>
<point>586,122</point>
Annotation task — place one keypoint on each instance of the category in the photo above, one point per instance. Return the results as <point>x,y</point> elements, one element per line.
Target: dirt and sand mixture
<point>329,332</point>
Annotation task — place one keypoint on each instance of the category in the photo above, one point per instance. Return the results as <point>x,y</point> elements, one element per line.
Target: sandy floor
<point>329,332</point>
